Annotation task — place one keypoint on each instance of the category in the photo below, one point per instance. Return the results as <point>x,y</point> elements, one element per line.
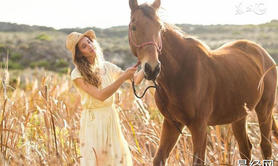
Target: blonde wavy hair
<point>90,72</point>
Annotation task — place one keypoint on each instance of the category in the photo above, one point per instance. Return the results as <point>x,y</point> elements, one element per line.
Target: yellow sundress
<point>101,139</point>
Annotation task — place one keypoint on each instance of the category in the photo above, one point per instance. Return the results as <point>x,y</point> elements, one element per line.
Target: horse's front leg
<point>168,139</point>
<point>199,139</point>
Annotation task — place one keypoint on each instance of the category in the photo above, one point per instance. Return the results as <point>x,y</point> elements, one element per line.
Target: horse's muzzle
<point>151,74</point>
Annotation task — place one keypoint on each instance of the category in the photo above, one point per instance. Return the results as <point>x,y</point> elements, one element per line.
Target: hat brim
<point>89,33</point>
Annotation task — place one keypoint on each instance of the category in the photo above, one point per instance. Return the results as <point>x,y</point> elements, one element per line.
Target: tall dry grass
<point>39,124</point>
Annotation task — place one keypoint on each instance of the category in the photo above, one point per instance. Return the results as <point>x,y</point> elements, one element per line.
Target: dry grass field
<point>39,124</point>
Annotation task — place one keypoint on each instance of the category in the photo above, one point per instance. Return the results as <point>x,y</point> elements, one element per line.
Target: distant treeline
<point>39,46</point>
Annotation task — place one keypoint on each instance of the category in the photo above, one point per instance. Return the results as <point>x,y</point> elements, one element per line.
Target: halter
<point>139,46</point>
<point>153,43</point>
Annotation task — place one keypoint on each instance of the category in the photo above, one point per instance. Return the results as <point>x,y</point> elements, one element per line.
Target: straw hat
<point>74,37</point>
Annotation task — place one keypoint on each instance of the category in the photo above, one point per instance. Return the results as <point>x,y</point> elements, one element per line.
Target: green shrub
<point>40,63</point>
<point>15,56</point>
<point>14,65</point>
<point>43,37</point>
<point>61,63</point>
<point>63,70</point>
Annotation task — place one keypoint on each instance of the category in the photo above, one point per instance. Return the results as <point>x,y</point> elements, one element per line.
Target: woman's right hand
<point>129,72</point>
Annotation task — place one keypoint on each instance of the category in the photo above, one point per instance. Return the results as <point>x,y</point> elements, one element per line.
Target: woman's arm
<point>103,94</point>
<point>138,77</point>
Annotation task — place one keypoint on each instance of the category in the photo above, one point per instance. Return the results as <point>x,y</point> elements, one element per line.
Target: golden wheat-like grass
<point>39,124</point>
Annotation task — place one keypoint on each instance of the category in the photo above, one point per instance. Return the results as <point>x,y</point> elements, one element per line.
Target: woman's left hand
<point>138,77</point>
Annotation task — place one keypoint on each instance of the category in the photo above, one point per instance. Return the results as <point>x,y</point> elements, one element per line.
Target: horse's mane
<point>178,33</point>
<point>151,13</point>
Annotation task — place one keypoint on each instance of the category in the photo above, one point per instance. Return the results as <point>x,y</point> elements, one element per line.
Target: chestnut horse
<point>200,87</point>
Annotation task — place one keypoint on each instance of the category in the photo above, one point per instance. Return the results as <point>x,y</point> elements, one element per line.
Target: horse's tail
<point>262,78</point>
<point>274,127</point>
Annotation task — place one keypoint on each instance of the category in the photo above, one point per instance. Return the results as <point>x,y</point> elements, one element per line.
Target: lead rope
<point>134,90</point>
<point>163,105</point>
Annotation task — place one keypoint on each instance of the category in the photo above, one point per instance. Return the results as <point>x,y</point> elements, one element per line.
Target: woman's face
<point>86,47</point>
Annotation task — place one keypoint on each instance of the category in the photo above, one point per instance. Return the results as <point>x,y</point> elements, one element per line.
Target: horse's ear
<point>133,4</point>
<point>156,4</point>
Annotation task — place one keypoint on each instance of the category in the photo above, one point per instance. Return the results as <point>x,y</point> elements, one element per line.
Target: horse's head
<point>145,36</point>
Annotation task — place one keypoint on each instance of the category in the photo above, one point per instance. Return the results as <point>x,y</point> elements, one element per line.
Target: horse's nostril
<point>157,69</point>
<point>148,69</point>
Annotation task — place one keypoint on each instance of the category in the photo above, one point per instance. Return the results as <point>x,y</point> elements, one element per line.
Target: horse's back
<point>250,49</point>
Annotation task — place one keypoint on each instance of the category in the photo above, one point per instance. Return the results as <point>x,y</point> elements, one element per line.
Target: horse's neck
<point>180,56</point>
<point>175,51</point>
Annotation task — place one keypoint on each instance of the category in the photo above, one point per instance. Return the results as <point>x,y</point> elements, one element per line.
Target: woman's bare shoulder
<point>75,73</point>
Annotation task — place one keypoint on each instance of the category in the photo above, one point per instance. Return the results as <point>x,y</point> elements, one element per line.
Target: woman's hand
<point>129,72</point>
<point>138,77</point>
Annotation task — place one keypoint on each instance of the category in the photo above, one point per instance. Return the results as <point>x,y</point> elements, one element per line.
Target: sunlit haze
<point>107,13</point>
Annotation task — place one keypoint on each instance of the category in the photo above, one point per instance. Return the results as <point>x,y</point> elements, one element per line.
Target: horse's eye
<point>133,28</point>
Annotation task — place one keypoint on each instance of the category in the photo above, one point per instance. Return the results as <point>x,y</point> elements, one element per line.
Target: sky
<point>108,13</point>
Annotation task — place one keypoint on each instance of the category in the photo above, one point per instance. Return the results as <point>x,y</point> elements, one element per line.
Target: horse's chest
<point>171,108</point>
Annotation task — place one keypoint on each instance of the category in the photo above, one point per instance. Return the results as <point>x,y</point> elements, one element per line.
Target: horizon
<point>127,25</point>
<point>59,15</point>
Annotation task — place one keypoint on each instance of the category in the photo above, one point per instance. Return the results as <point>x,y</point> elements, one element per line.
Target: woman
<point>101,140</point>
